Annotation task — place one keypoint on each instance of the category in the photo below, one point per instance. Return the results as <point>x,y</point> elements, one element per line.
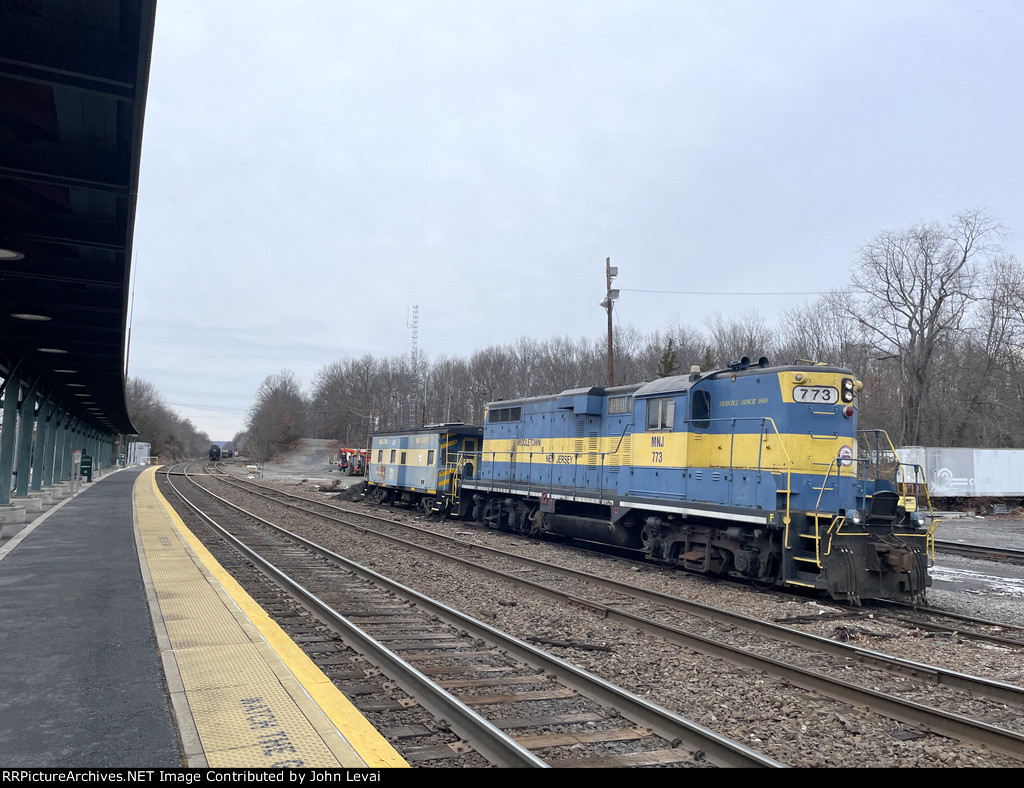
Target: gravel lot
<point>985,589</point>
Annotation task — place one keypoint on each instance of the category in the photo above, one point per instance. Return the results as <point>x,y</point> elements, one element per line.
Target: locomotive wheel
<point>769,579</point>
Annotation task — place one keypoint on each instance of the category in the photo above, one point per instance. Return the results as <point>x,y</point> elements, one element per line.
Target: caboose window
<point>403,458</point>
<point>661,413</point>
<point>392,456</point>
<point>380,455</point>
<point>430,456</point>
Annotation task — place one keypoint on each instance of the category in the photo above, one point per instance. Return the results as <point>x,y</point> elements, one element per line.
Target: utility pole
<point>610,298</point>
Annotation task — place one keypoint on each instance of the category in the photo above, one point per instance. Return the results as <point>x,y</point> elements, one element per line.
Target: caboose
<point>418,466</point>
<point>753,471</point>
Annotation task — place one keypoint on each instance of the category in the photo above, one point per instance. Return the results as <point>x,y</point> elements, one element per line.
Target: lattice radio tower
<point>414,327</point>
<point>414,356</point>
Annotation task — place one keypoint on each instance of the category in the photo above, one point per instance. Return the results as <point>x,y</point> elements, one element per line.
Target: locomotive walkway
<point>125,645</point>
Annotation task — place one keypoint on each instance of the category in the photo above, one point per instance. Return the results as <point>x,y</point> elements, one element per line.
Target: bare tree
<point>913,290</point>
<point>732,339</point>
<point>278,418</point>
<point>170,436</point>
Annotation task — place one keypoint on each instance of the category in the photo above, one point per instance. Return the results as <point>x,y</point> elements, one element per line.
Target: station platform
<point>123,644</point>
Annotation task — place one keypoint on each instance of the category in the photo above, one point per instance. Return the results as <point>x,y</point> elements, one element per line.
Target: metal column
<point>50,444</point>
<point>26,421</point>
<point>8,431</point>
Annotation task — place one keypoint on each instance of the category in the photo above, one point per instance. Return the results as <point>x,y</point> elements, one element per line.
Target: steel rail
<point>1002,554</point>
<point>718,749</point>
<point>946,723</point>
<point>493,743</point>
<point>916,620</point>
<point>1002,692</point>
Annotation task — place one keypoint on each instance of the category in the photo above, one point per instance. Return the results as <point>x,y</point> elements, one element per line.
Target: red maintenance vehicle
<point>352,462</point>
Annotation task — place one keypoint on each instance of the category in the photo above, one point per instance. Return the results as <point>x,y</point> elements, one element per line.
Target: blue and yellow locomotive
<point>752,471</point>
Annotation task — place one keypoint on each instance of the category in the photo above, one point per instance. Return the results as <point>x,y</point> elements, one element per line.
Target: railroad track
<point>838,686</point>
<point>1002,554</point>
<point>504,698</point>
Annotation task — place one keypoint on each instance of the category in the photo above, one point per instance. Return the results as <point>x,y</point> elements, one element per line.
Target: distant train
<point>753,471</point>
<point>214,452</point>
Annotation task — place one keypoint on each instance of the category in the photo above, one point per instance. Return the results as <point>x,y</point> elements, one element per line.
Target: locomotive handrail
<point>839,476</point>
<point>930,536</point>
<point>787,467</point>
<point>898,462</point>
<point>768,429</point>
<point>599,466</point>
<point>763,420</point>
<point>838,519</point>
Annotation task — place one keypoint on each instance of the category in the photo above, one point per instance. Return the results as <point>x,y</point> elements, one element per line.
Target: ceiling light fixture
<point>10,254</point>
<point>50,350</point>
<point>29,316</point>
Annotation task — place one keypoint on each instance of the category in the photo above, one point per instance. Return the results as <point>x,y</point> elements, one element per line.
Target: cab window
<point>700,413</point>
<point>661,413</point>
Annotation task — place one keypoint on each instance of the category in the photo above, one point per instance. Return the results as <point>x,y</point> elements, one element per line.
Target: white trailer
<point>968,473</point>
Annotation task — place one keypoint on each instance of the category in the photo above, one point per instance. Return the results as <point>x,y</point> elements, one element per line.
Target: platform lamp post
<point>610,272</point>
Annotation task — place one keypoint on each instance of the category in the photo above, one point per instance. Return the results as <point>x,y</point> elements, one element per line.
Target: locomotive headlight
<point>854,516</point>
<point>917,519</point>
<point>847,389</point>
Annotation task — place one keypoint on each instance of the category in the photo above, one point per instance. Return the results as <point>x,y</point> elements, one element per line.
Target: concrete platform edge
<point>341,725</point>
<point>192,748</point>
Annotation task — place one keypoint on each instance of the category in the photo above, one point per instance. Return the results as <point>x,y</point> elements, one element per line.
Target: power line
<point>207,408</point>
<point>724,292</point>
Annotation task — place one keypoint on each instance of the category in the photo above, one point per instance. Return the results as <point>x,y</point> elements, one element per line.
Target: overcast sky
<point>312,170</point>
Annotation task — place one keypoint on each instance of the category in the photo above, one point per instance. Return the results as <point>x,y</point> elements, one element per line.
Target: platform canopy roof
<point>73,80</point>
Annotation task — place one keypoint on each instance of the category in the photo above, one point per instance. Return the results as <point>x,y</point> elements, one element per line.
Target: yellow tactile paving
<point>256,699</point>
